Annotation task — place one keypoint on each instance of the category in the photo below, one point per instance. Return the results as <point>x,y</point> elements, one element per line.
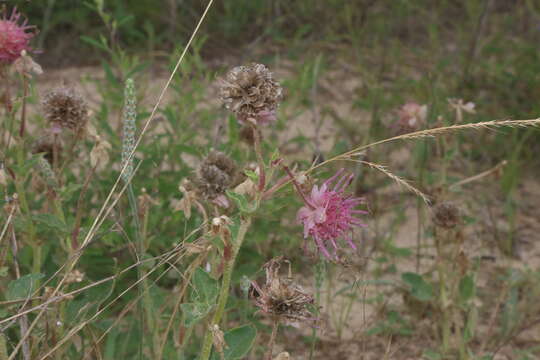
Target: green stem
<point>147,307</point>
<point>21,193</point>
<point>443,300</point>
<point>225,285</point>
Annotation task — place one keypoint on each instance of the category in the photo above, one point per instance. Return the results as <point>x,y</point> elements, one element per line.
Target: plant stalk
<point>225,285</point>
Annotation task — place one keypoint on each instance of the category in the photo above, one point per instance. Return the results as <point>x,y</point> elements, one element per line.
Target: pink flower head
<point>411,117</point>
<point>329,213</point>
<point>14,37</point>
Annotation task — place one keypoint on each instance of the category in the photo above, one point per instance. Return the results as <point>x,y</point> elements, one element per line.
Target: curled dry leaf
<point>99,156</point>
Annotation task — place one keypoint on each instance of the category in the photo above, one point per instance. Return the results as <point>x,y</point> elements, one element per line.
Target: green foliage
<point>239,341</point>
<point>24,287</point>
<point>420,288</point>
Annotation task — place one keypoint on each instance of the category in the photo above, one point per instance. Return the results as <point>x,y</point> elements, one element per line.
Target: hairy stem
<point>225,285</point>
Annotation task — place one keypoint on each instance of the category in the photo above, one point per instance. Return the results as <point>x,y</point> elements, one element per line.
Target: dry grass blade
<point>399,180</point>
<point>435,132</point>
<point>477,177</point>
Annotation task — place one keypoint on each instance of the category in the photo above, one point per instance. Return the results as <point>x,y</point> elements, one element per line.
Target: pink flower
<point>411,117</point>
<point>329,213</point>
<point>14,37</point>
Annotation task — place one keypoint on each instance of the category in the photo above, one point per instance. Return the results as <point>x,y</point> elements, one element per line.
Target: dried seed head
<point>46,145</point>
<point>446,215</point>
<point>215,175</point>
<point>280,296</point>
<point>65,108</point>
<point>75,276</point>
<point>251,93</point>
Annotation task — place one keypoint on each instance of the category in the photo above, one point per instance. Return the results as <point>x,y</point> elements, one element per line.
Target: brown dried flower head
<point>446,215</point>
<point>280,296</point>
<point>65,108</point>
<point>46,145</point>
<point>251,93</point>
<point>215,175</point>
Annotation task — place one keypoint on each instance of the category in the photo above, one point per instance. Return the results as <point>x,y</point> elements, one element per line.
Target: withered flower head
<point>215,175</point>
<point>65,108</point>
<point>446,215</point>
<point>280,296</point>
<point>46,145</point>
<point>251,93</point>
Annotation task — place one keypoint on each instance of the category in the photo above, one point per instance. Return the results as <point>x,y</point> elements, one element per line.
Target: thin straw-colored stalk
<point>493,124</point>
<point>106,207</point>
<point>477,177</point>
<point>164,259</point>
<point>399,180</point>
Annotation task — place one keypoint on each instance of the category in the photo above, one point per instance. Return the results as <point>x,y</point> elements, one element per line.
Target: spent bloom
<point>446,215</point>
<point>215,175</point>
<point>251,93</point>
<point>14,36</point>
<point>280,296</point>
<point>329,213</point>
<point>411,117</point>
<point>459,106</point>
<point>65,108</point>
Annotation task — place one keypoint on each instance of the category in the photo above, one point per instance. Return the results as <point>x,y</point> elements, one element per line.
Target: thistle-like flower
<point>280,297</point>
<point>216,174</point>
<point>14,36</point>
<point>251,93</point>
<point>65,108</point>
<point>329,213</point>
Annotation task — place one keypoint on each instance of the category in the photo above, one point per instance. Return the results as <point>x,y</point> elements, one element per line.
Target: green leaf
<point>194,312</point>
<point>466,288</point>
<point>420,289</point>
<point>23,287</point>
<point>95,43</point>
<point>205,288</point>
<point>51,222</point>
<point>251,174</point>
<point>241,202</point>
<point>432,355</point>
<point>239,340</point>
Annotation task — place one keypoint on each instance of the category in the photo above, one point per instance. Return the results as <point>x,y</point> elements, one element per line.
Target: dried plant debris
<point>281,297</point>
